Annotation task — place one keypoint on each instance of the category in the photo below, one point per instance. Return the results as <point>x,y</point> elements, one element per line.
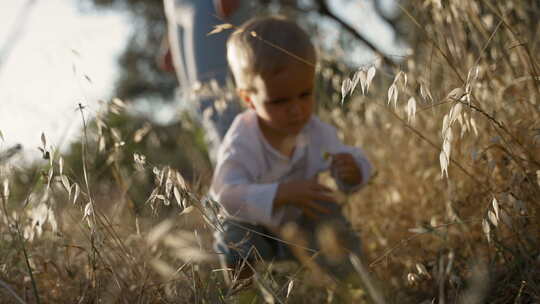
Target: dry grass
<point>450,217</point>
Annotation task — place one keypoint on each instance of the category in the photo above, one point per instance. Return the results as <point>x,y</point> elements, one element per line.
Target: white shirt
<point>249,169</point>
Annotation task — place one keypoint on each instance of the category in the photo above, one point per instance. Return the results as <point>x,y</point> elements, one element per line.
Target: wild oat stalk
<point>5,195</point>
<point>90,208</point>
<point>27,262</point>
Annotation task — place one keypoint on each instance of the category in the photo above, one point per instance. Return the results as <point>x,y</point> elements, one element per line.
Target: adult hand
<point>164,57</point>
<point>346,169</point>
<point>225,8</point>
<point>304,194</point>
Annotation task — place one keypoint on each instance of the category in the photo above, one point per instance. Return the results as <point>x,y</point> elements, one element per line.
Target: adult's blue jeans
<point>200,60</point>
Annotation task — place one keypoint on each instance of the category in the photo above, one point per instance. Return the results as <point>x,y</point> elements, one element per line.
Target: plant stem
<point>26,259</point>
<point>15,295</point>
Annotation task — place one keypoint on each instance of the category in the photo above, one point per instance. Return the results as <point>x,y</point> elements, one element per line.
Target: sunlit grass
<point>450,216</point>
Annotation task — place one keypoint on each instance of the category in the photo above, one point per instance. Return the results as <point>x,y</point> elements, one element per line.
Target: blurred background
<point>57,54</point>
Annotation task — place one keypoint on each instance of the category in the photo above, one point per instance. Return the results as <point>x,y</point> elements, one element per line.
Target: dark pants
<point>327,241</point>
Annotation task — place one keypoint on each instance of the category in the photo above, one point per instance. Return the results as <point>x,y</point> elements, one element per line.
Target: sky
<point>361,15</point>
<point>63,57</point>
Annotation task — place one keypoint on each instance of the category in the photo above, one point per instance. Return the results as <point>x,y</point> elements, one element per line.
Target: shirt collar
<point>302,141</point>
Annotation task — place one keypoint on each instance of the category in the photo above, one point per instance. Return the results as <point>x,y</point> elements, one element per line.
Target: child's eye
<point>279,101</point>
<point>306,94</point>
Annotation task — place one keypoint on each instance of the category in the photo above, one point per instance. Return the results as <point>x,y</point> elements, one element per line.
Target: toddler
<point>268,163</point>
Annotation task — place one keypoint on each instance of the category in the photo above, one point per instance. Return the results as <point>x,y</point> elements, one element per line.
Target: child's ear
<point>245,95</point>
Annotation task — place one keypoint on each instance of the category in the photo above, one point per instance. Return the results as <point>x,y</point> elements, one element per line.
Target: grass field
<point>451,215</point>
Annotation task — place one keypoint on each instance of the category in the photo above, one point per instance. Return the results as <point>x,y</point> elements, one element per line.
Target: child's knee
<point>240,243</point>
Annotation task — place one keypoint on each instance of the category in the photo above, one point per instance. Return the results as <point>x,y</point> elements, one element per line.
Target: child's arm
<point>235,189</point>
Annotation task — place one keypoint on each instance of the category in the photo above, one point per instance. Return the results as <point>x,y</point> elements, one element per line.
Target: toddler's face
<point>284,100</point>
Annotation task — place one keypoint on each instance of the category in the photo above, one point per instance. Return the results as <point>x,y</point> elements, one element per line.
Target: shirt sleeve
<point>336,146</point>
<point>234,187</point>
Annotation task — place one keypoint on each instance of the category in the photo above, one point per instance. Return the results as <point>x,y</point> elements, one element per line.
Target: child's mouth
<point>297,123</point>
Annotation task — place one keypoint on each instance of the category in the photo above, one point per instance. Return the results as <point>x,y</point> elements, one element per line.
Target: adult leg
<point>177,12</point>
<point>207,64</point>
<point>198,58</point>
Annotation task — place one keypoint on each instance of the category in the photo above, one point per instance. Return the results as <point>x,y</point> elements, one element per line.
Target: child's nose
<point>295,108</point>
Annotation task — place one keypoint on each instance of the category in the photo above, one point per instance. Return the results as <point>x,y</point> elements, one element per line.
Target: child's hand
<point>346,170</point>
<point>304,194</point>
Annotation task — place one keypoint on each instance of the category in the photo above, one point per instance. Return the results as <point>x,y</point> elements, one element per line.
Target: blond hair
<point>266,45</point>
